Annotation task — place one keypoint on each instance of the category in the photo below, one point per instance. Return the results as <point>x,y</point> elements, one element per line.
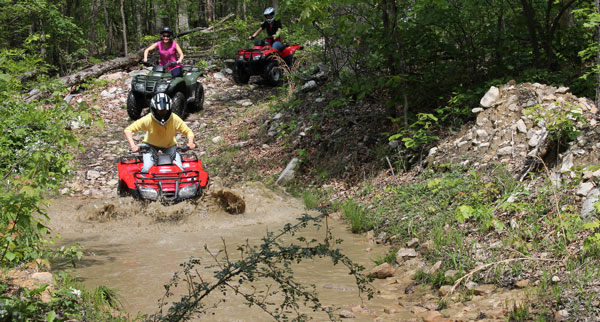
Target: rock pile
<point>515,126</point>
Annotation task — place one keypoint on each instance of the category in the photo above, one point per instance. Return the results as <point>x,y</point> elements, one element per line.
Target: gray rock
<point>217,139</point>
<point>588,209</point>
<point>482,133</point>
<point>345,314</point>
<point>534,141</point>
<point>477,110</point>
<point>405,252</point>
<point>567,163</point>
<point>308,86</point>
<point>505,150</point>
<point>220,76</point>
<point>92,175</point>
<point>521,126</point>
<point>288,173</point>
<point>584,188</point>
<point>490,97</point>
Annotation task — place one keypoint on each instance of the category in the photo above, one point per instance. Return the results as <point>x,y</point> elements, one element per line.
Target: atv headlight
<point>257,57</point>
<point>162,87</point>
<point>188,191</point>
<point>148,193</point>
<point>139,87</point>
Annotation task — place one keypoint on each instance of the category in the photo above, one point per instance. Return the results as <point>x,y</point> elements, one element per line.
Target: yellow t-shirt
<point>162,136</point>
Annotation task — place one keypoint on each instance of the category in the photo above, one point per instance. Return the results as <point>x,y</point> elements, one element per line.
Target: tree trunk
<point>183,21</point>
<point>275,4</point>
<point>210,11</point>
<point>89,73</point>
<point>529,16</point>
<point>157,18</point>
<point>92,31</point>
<point>109,37</point>
<point>137,7</point>
<point>244,9</point>
<point>124,28</point>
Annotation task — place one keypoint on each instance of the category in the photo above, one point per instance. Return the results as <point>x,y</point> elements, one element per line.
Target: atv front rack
<point>249,55</point>
<point>168,186</point>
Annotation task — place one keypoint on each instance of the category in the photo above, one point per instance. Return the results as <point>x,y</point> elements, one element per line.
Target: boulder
<point>490,97</point>
<point>382,271</point>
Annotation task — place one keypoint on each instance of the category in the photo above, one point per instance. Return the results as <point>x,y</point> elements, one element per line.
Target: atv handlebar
<point>145,148</point>
<point>149,64</point>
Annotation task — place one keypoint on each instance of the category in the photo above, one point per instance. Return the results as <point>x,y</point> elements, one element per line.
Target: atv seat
<point>164,159</point>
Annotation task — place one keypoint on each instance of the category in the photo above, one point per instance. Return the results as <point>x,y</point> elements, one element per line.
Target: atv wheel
<point>198,103</point>
<point>135,105</point>
<point>178,104</point>
<point>273,73</point>
<point>239,75</point>
<point>122,189</point>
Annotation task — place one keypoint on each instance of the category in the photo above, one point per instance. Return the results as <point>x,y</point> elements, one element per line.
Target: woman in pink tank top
<point>169,51</point>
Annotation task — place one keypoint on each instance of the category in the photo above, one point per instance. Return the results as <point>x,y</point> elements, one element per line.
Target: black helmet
<point>269,11</point>
<point>166,30</point>
<point>161,102</point>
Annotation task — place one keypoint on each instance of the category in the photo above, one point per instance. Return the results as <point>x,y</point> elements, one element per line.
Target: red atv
<point>165,181</point>
<point>263,60</point>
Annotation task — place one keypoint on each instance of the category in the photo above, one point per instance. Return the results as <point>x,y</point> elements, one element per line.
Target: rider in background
<point>161,126</point>
<point>169,50</point>
<point>273,28</point>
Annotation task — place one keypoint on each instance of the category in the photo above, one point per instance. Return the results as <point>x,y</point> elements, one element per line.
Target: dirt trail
<point>135,247</point>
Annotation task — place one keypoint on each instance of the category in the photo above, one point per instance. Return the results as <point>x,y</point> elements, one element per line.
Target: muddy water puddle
<point>135,248</point>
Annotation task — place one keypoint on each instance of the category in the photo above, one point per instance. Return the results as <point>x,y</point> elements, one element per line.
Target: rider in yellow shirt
<point>161,126</point>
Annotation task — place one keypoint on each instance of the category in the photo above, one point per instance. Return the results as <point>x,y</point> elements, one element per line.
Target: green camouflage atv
<point>186,92</point>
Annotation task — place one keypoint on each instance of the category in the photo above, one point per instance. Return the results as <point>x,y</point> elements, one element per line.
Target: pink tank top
<point>168,53</point>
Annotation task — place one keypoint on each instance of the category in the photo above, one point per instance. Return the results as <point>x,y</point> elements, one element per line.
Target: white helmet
<point>269,11</point>
<point>161,102</point>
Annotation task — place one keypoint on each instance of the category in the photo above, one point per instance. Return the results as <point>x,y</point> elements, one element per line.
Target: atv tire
<point>273,73</point>
<point>122,190</point>
<point>178,104</point>
<point>135,105</point>
<point>198,102</point>
<point>239,75</point>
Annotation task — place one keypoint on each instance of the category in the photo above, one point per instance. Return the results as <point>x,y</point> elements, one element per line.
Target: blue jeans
<point>278,45</point>
<point>176,72</point>
<point>150,157</point>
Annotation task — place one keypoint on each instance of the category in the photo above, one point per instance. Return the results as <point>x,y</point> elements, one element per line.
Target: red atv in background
<point>263,60</point>
<point>164,181</point>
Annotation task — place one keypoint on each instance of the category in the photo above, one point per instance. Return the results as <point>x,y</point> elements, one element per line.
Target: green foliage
<point>357,217</point>
<point>68,301</point>
<point>592,242</point>
<point>389,257</point>
<point>310,200</point>
<point>560,120</point>
<point>418,133</point>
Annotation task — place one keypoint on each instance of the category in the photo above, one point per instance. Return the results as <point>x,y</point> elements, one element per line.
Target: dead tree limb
<point>88,73</point>
<point>205,29</point>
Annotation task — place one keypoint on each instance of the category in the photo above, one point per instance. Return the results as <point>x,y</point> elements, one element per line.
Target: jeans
<point>150,157</point>
<point>176,72</point>
<point>278,45</point>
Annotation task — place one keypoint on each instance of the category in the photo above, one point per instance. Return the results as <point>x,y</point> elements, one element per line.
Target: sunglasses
<point>166,36</point>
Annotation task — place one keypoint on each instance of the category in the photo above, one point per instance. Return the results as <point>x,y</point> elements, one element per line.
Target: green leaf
<point>10,255</point>
<point>464,212</point>
<point>51,316</point>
